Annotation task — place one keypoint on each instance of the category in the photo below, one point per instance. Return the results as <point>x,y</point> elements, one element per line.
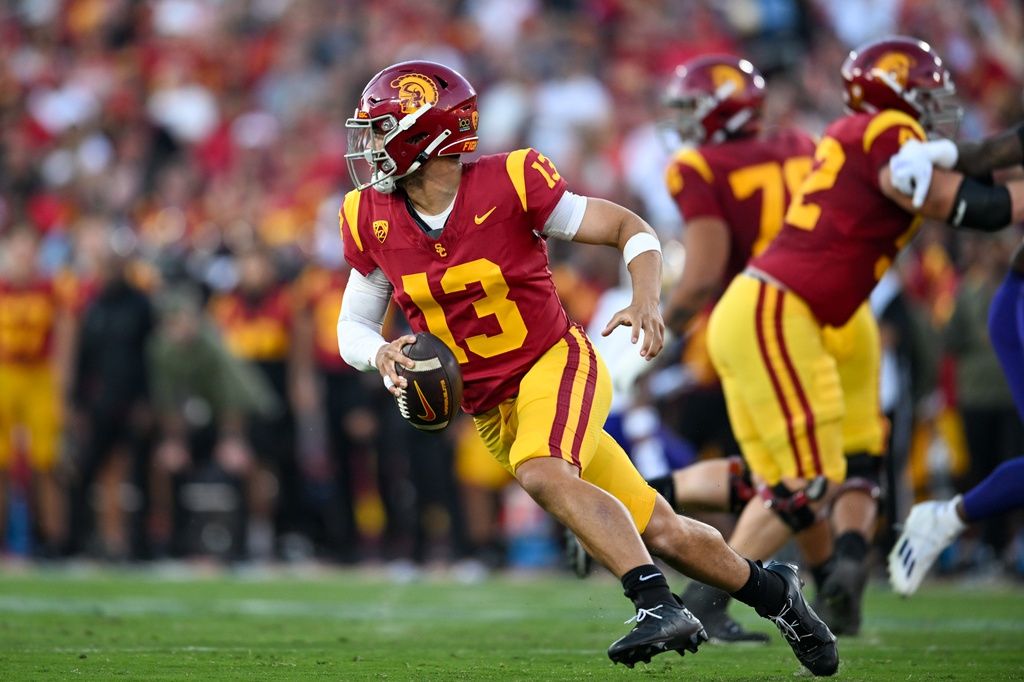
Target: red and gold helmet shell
<point>900,73</point>
<point>407,114</point>
<point>716,97</point>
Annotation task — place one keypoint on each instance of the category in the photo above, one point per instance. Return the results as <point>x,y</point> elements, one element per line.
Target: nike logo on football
<point>479,219</point>
<point>428,412</point>
<point>644,578</point>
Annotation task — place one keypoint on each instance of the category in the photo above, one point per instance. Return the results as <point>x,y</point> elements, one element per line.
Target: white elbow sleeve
<point>361,320</point>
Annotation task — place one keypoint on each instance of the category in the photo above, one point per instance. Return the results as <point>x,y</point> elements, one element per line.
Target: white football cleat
<point>929,529</point>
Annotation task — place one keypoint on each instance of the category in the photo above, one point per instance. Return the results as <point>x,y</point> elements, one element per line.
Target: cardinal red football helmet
<point>901,73</point>
<point>409,113</point>
<point>715,97</point>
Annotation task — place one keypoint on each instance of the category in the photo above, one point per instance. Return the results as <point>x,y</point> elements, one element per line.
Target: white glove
<point>911,167</point>
<point>911,172</point>
<point>943,153</point>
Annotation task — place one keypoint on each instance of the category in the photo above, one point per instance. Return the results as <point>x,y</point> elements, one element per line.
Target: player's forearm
<point>989,208</point>
<point>645,273</point>
<point>616,225</point>
<point>707,242</point>
<point>687,300</point>
<point>358,344</point>
<point>979,159</point>
<point>363,306</point>
<point>630,225</point>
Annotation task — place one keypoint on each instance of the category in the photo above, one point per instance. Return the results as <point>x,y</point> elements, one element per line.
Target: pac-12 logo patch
<point>380,230</point>
<point>414,90</point>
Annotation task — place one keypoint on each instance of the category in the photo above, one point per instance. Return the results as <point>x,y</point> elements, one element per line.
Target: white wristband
<point>640,243</point>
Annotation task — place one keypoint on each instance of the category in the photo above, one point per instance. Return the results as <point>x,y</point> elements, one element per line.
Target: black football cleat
<point>841,595</point>
<point>710,605</point>
<point>722,629</point>
<point>665,627</point>
<point>808,636</point>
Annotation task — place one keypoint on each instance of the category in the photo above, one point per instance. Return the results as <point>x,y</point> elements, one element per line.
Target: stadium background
<point>190,144</point>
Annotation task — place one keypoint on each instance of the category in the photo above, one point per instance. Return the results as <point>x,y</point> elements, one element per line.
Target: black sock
<point>666,487</point>
<point>704,600</point>
<point>820,573</point>
<point>647,587</point>
<point>763,590</point>
<point>851,545</point>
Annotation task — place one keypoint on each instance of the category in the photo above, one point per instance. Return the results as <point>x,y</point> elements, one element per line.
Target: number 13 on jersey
<point>494,302</point>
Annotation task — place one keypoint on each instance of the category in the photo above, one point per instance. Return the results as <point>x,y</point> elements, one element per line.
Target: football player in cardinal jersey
<point>461,249</point>
<point>843,228</point>
<point>733,190</point>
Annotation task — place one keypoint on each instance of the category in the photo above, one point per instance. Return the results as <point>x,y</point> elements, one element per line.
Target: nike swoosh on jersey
<point>479,219</point>
<point>428,412</point>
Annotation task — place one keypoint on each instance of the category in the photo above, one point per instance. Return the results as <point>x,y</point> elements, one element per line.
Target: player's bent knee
<point>543,477</point>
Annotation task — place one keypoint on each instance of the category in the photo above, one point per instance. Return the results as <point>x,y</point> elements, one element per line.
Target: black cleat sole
<point>645,653</point>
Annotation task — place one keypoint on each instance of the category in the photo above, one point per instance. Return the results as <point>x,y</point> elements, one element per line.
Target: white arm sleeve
<point>566,217</point>
<point>361,320</point>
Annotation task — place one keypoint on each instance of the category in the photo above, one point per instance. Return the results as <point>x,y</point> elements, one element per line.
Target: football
<point>432,398</point>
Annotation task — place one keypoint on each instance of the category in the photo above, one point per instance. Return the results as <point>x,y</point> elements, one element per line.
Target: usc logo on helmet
<point>414,90</point>
<point>896,66</point>
<point>725,76</point>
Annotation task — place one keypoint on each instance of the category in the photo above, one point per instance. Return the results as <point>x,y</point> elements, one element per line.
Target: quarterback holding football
<point>461,248</point>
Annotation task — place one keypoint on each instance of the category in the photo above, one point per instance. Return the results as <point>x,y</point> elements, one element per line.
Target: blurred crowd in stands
<point>171,272</point>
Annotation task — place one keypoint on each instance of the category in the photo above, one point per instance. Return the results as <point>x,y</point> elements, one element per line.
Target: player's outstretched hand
<point>641,316</point>
<point>385,361</point>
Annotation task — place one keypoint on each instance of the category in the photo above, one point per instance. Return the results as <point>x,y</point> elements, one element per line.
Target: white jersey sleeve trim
<point>361,320</point>
<point>566,217</point>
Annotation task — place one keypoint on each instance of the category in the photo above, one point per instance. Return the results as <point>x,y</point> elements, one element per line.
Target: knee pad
<point>863,474</point>
<point>741,486</point>
<point>794,508</point>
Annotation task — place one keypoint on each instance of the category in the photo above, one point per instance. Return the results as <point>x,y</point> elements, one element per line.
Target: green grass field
<point>133,625</point>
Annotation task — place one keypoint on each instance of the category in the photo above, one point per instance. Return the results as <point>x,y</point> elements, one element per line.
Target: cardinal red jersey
<point>841,231</point>
<point>258,330</point>
<point>28,314</point>
<point>483,286</point>
<point>318,294</point>
<point>746,183</point>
